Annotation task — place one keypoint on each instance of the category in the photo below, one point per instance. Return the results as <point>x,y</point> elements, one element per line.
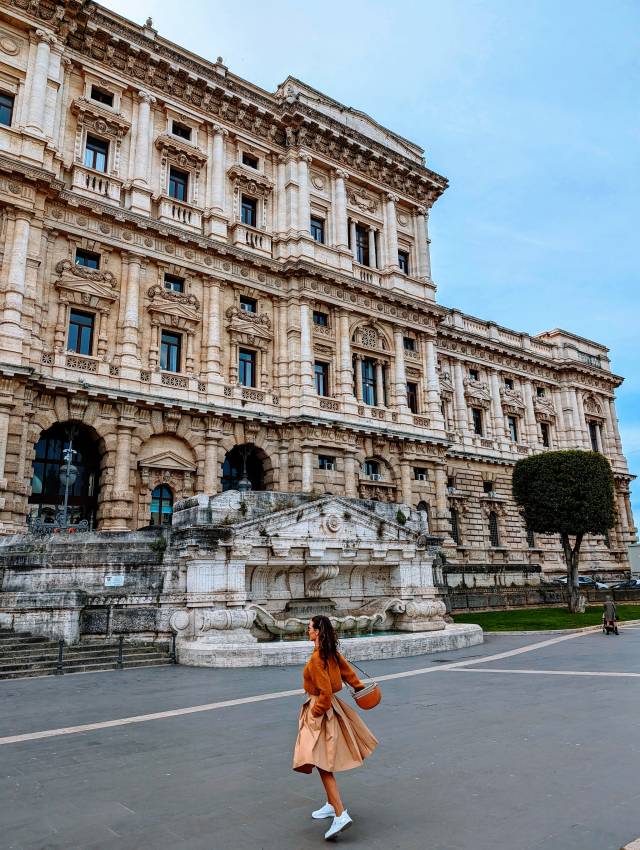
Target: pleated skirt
<point>339,740</point>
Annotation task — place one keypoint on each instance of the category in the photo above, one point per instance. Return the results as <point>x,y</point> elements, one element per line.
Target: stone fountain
<point>260,564</point>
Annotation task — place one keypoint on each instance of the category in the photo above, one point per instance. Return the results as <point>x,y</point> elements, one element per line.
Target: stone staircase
<point>23,654</point>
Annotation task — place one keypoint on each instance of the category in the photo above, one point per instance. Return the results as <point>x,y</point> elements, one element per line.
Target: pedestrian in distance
<point>331,735</point>
<point>610,616</point>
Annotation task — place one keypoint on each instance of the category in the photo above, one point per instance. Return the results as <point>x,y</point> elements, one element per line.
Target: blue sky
<point>530,109</point>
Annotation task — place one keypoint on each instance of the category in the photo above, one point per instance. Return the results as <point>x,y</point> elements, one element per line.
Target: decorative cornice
<point>137,53</point>
<point>182,152</point>
<point>98,119</point>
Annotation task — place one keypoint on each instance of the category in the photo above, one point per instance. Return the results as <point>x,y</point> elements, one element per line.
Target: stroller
<point>609,626</point>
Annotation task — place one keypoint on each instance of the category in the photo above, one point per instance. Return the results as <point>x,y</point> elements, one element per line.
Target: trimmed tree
<point>567,493</point>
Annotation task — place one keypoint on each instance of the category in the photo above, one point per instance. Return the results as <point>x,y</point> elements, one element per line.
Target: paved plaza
<point>529,750</point>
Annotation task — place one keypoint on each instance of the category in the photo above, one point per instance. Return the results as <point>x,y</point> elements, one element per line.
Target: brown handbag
<point>369,696</point>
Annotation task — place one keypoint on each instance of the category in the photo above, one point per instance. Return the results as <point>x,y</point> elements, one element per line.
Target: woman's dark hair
<point>327,640</point>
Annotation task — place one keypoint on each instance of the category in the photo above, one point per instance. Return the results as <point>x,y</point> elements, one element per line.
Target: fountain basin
<point>200,653</point>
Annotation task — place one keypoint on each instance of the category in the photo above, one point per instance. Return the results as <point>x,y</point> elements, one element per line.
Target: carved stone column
<point>306,350</point>
<point>499,431</point>
<point>341,209</point>
<point>281,200</point>
<point>119,511</point>
<point>613,419</point>
<point>391,228</point>
<point>11,330</point>
<point>422,242</point>
<point>211,472</point>
<point>131,324</point>
<point>405,482</point>
<point>560,431</point>
<point>352,233</point>
<point>442,518</point>
<point>345,372</point>
<point>581,423</point>
<point>380,399</point>
<point>36,105</point>
<point>304,208</point>
<point>283,471</point>
<point>460,403</point>
<point>216,221</point>
<point>141,192</point>
<point>400,388</point>
<point>433,386</point>
<point>7,403</point>
<point>530,415</point>
<point>350,482</point>
<point>372,248</point>
<point>213,327</point>
<point>307,468</point>
<point>358,377</point>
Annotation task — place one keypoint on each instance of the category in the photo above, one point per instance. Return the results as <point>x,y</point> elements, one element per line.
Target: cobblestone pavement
<point>528,751</point>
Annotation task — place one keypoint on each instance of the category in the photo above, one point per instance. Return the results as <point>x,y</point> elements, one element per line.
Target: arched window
<point>48,481</point>
<point>455,525</point>
<point>493,529</point>
<point>161,505</point>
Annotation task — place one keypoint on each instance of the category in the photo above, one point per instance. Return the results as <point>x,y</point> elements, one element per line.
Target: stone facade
<point>279,243</point>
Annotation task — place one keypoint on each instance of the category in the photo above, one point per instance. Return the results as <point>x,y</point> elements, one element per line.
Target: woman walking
<point>331,735</point>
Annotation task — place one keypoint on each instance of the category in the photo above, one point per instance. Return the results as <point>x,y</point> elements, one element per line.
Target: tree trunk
<point>572,558</point>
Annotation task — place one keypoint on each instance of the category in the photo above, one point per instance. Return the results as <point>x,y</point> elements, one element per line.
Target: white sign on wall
<point>113,581</point>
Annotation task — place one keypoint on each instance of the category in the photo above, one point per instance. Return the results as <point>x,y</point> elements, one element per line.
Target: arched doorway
<point>161,505</point>
<point>49,475</point>
<point>240,459</point>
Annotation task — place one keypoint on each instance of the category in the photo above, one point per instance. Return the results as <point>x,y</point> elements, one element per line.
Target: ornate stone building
<point>203,281</point>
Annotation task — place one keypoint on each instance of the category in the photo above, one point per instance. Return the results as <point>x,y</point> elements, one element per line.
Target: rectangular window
<point>248,305</point>
<point>372,469</point>
<point>487,486</point>
<point>317,229</point>
<point>101,96</point>
<point>249,211</point>
<point>545,434</point>
<point>320,319</point>
<point>181,130</point>
<point>81,332</point>
<point>455,526</point>
<point>247,368</point>
<point>321,376</point>
<point>96,153</point>
<point>248,159</point>
<point>473,374</point>
<point>173,283</point>
<point>451,482</point>
<point>476,414</point>
<point>362,245</point>
<point>412,397</point>
<point>508,383</point>
<point>594,436</point>
<point>540,392</point>
<point>326,462</point>
<point>494,537</point>
<point>531,540</point>
<point>403,261</point>
<point>420,473</point>
<point>512,425</point>
<point>87,259</point>
<point>409,343</point>
<point>369,394</point>
<point>178,184</point>
<point>170,350</point>
<point>6,108</point>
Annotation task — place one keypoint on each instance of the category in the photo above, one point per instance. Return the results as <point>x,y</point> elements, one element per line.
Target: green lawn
<point>539,619</point>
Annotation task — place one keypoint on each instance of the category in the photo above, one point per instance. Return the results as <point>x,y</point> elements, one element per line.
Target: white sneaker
<point>327,811</point>
<point>340,823</point>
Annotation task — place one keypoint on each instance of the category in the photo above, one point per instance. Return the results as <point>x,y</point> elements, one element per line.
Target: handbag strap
<point>364,672</point>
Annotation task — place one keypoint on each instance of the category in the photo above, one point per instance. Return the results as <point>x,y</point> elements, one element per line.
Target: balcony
<point>245,236</point>
<point>177,212</point>
<point>92,183</point>
<point>366,274</point>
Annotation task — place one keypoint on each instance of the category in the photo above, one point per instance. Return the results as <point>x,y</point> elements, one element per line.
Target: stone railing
<point>250,237</point>
<point>366,274</point>
<point>81,363</point>
<point>330,404</point>
<point>177,212</point>
<point>86,180</point>
<point>179,382</point>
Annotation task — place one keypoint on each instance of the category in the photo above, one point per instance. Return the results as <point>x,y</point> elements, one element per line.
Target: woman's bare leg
<point>331,788</point>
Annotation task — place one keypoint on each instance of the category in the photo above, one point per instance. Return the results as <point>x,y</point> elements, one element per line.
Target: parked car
<point>629,584</point>
<point>584,582</point>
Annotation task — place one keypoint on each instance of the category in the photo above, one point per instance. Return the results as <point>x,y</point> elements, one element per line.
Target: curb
<point>585,629</point>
